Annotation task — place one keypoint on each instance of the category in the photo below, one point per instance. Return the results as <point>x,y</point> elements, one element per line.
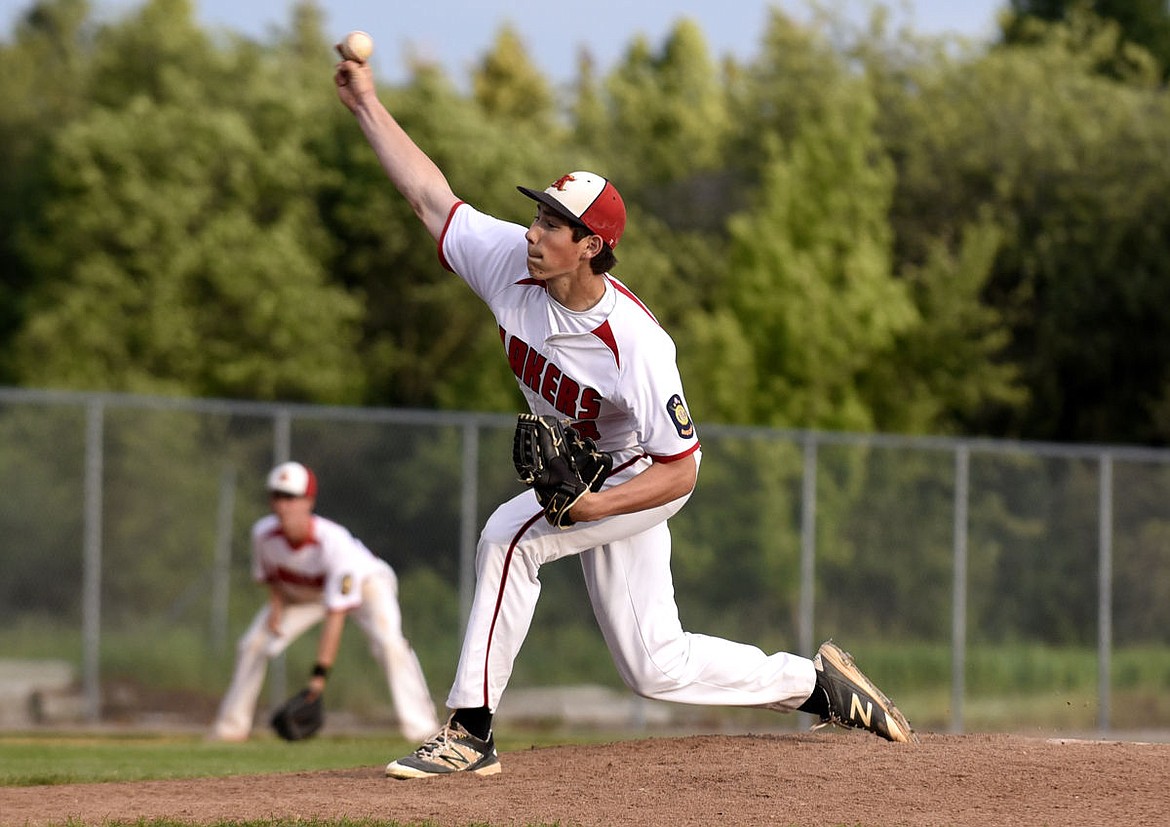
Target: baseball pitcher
<point>599,375</point>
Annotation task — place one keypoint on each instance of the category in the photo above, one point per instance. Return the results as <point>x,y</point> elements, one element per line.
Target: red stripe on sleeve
<point>675,457</point>
<point>443,235</point>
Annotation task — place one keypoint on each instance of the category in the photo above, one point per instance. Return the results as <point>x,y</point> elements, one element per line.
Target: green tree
<point>588,114</point>
<point>1069,164</point>
<point>668,125</point>
<point>788,85</point>
<point>178,254</point>
<point>34,105</point>
<point>510,88</point>
<point>1144,23</point>
<point>810,286</point>
<point>951,370</point>
<point>954,365</point>
<point>157,51</point>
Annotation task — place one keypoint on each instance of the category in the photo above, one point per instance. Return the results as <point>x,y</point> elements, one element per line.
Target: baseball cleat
<point>452,749</point>
<point>853,699</point>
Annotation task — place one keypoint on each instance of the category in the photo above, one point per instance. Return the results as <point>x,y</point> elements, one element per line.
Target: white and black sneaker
<point>451,749</point>
<point>853,699</point>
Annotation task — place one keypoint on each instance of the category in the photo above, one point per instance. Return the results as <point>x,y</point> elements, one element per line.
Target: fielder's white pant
<point>378,616</point>
<point>626,561</point>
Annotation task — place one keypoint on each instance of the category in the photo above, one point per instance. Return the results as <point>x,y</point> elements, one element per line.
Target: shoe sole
<point>406,773</point>
<point>896,723</point>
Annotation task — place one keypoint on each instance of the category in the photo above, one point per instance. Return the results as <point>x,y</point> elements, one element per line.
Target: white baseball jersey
<point>330,565</point>
<point>610,369</point>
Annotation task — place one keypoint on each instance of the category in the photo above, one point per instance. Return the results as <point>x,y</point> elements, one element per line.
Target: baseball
<point>356,45</point>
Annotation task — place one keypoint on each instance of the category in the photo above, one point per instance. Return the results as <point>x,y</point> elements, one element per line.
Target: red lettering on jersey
<point>548,386</point>
<point>533,368</point>
<point>590,404</point>
<point>567,392</point>
<point>517,353</point>
<point>553,385</point>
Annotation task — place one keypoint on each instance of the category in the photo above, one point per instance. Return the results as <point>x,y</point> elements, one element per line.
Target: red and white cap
<point>586,198</point>
<point>292,478</point>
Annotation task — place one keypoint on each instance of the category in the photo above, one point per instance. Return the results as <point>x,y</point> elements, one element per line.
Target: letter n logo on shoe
<point>857,713</point>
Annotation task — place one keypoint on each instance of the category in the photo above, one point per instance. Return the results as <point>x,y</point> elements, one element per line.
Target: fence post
<point>468,519</point>
<point>1105,593</point>
<point>281,452</point>
<point>808,547</point>
<point>281,436</point>
<point>221,565</point>
<point>959,594</point>
<point>91,578</point>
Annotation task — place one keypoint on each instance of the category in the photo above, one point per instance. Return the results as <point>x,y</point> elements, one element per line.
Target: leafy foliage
<point>1143,26</point>
<point>852,230</point>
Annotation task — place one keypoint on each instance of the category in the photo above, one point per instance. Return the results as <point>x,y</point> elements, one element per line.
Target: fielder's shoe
<point>853,699</point>
<point>452,749</point>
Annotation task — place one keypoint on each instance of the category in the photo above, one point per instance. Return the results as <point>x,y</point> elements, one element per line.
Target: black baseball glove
<point>558,463</point>
<point>300,716</point>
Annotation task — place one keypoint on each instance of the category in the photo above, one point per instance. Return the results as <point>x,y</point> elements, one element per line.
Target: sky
<point>457,33</point>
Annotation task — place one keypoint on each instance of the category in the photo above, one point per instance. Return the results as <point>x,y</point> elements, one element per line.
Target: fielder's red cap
<point>293,479</point>
<point>587,199</point>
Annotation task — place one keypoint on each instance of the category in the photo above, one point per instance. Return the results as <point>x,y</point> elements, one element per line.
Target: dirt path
<point>825,778</point>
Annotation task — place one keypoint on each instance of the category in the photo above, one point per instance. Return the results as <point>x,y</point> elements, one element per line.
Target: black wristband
<point>320,671</point>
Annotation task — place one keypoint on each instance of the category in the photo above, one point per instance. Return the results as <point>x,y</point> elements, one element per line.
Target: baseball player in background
<point>586,349</point>
<point>317,571</point>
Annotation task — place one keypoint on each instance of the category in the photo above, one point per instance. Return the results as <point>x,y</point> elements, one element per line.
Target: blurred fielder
<point>315,571</point>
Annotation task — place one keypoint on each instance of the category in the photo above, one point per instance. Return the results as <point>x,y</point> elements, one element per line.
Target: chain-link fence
<point>985,583</point>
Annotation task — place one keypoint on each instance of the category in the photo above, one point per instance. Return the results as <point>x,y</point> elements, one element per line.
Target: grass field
<point>79,758</point>
<point>73,758</point>
<point>63,758</point>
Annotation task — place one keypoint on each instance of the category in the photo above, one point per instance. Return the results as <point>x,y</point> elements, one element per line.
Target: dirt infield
<point>824,778</point>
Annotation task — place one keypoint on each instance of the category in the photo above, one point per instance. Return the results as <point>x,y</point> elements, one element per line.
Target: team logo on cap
<point>560,182</point>
<point>347,584</point>
<point>680,417</point>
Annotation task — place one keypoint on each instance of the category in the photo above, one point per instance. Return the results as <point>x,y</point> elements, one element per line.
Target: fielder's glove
<point>558,463</point>
<point>300,716</point>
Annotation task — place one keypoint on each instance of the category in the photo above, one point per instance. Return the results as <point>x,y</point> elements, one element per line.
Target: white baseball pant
<point>626,561</point>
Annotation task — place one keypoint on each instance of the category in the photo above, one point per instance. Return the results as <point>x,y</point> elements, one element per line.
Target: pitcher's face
<point>552,251</point>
